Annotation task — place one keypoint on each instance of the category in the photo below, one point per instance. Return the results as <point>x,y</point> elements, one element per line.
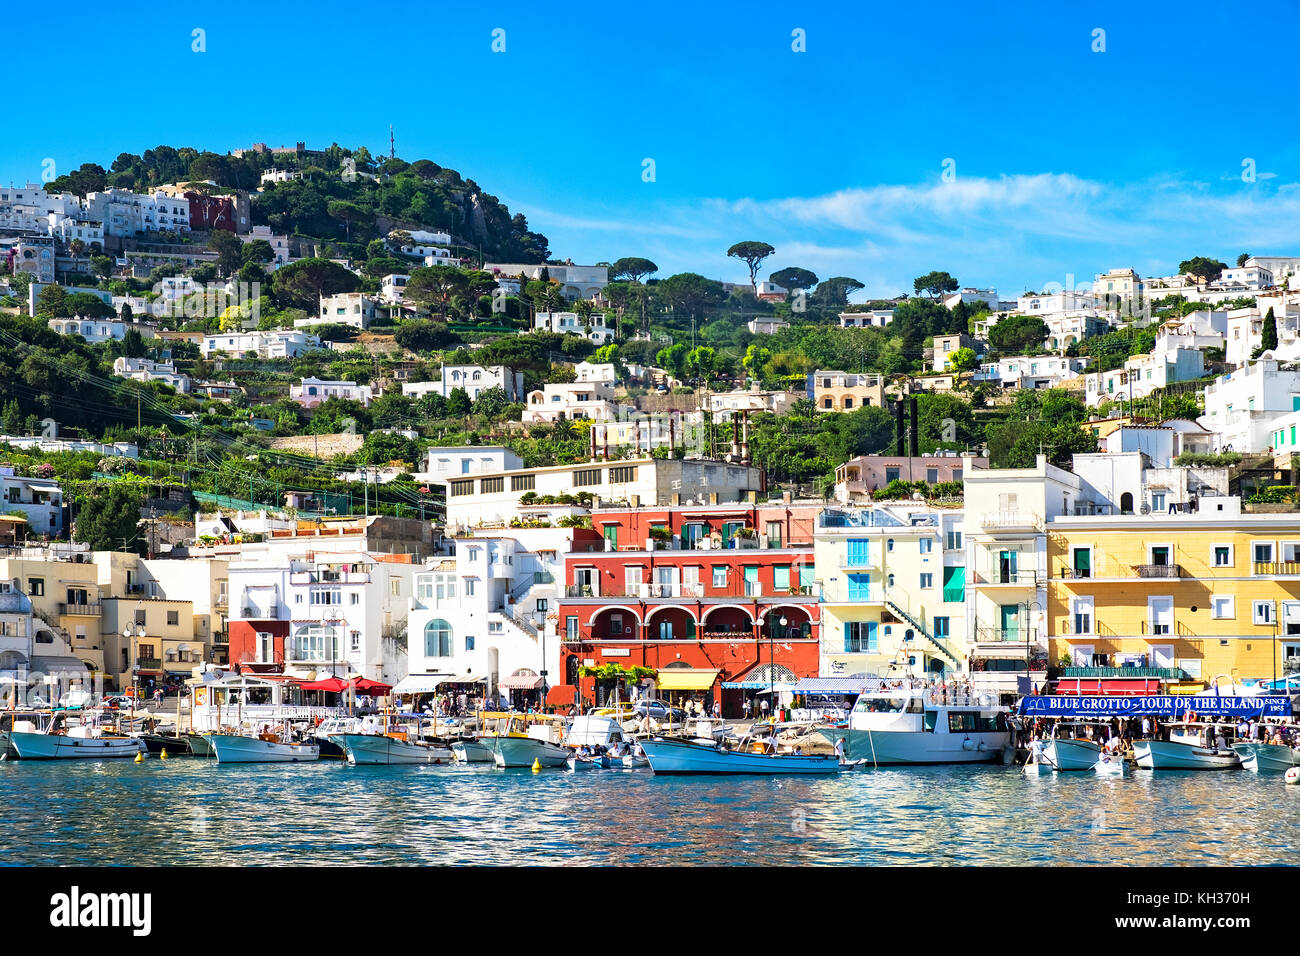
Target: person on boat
<point>839,750</point>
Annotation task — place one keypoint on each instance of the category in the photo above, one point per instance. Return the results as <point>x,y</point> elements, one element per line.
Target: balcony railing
<point>1074,573</point>
<point>260,614</point>
<point>85,610</point>
<point>1163,673</point>
<point>998,576</point>
<point>149,663</point>
<point>657,592</point>
<point>848,563</point>
<point>1277,568</point>
<point>1159,570</point>
<point>1010,635</point>
<point>1010,521</point>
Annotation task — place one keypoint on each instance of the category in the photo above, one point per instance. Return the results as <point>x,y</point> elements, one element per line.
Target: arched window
<point>437,638</point>
<point>1126,503</point>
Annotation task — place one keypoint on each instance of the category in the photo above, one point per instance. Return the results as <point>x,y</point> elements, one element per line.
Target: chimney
<point>915,434</point>
<point>744,437</point>
<point>735,436</point>
<point>672,436</point>
<point>900,447</point>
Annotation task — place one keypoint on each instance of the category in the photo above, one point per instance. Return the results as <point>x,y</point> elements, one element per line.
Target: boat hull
<point>633,762</point>
<point>232,749</point>
<point>471,751</point>
<point>1166,755</point>
<point>523,751</point>
<point>200,746</point>
<point>1069,754</point>
<point>157,743</point>
<point>885,748</point>
<point>684,757</point>
<point>1256,755</point>
<point>59,747</point>
<point>363,749</point>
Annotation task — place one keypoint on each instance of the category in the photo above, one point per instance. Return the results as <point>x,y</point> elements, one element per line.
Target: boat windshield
<point>887,705</point>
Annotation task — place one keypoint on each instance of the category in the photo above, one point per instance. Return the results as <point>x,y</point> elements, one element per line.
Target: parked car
<point>659,710</point>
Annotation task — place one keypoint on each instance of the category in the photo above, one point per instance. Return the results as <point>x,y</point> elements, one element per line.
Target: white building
<point>274,344</point>
<point>144,370</point>
<point>125,213</point>
<point>1196,330</point>
<point>313,391</point>
<point>644,481</point>
<point>1242,406</point>
<point>92,330</point>
<point>1035,371</point>
<point>576,282</point>
<point>1247,278</point>
<point>40,499</point>
<point>1140,375</point>
<point>986,297</point>
<point>557,401</point>
<point>602,372</point>
<point>768,325</point>
<point>564,323</point>
<point>1279,267</point>
<point>474,379</point>
<point>871,319</point>
<point>485,618</point>
<point>346,308</point>
<point>50,446</point>
<point>279,245</point>
<point>1245,331</point>
<point>392,288</point>
<point>446,462</point>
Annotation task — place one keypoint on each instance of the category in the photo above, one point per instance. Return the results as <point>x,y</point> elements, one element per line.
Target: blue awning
<point>1172,705</point>
<point>755,685</point>
<point>836,685</point>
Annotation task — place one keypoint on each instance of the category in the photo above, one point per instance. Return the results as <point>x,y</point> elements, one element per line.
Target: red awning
<point>332,684</point>
<point>562,695</point>
<point>1108,686</point>
<point>366,686</point>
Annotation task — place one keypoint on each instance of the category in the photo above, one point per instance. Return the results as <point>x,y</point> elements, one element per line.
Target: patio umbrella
<point>374,687</point>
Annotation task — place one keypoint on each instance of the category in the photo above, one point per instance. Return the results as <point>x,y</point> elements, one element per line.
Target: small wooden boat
<point>577,763</point>
<point>1038,763</point>
<point>1182,755</point>
<point>80,743</point>
<point>673,756</point>
<point>635,761</point>
<point>157,743</point>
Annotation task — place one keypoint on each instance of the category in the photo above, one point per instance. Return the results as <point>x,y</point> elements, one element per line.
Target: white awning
<point>420,683</point>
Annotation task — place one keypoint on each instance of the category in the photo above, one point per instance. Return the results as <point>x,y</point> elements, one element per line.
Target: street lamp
<point>1031,608</point>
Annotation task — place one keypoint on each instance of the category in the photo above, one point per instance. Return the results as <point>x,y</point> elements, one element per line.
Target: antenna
<point>392,149</point>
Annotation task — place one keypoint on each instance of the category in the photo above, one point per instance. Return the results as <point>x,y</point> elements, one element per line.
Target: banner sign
<point>1160,706</point>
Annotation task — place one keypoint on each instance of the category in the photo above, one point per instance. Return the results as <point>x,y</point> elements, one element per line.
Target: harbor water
<point>193,811</point>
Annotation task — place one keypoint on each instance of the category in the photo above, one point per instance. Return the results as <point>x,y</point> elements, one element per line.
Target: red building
<point>211,212</point>
<point>718,592</point>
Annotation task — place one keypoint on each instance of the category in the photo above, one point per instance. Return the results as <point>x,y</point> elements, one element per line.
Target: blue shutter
<point>872,646</point>
<point>848,638</point>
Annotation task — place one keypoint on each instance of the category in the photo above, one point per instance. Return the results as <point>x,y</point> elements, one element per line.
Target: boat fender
<point>537,765</point>
<point>139,758</point>
<point>981,746</point>
<point>967,744</point>
<point>1292,775</point>
<point>163,755</point>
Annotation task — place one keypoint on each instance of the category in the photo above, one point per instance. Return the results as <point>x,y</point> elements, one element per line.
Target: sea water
<point>189,810</point>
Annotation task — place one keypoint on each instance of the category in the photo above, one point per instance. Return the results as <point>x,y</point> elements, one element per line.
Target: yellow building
<point>1195,595</point>
<point>892,591</point>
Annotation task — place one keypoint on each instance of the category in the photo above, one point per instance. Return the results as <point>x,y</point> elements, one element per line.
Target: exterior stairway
<point>926,634</point>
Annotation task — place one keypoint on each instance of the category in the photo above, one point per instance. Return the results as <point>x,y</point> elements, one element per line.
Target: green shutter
<point>954,584</point>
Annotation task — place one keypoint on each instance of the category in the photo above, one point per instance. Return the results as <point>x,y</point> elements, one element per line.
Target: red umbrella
<point>332,684</point>
<point>367,686</point>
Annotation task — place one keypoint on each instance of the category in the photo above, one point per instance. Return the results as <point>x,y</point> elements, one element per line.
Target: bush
<point>1221,460</point>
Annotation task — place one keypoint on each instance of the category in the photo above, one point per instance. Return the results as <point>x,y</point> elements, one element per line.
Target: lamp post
<point>1032,610</point>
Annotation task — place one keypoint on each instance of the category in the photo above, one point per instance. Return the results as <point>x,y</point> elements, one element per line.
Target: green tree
<point>964,360</point>
<point>1018,333</point>
<point>752,253</point>
<point>793,278</point>
<point>458,403</point>
<point>107,518</point>
<point>673,359</point>
<point>423,337</point>
<point>435,286</point>
<point>632,268</point>
<point>1203,268</point>
<point>304,282</point>
<point>1241,259</point>
<point>934,284</point>
<point>229,250</point>
<point>690,293</point>
<point>1268,338</point>
<point>835,291</point>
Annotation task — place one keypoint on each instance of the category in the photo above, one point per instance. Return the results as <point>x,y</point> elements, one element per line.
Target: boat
<point>1258,755</point>
<point>390,744</point>
<point>160,743</point>
<point>83,742</point>
<point>669,755</point>
<point>199,744</point>
<point>469,750</point>
<point>1185,750</point>
<point>635,761</point>
<point>578,762</point>
<point>922,726</point>
<point>265,748</point>
<point>1109,764</point>
<point>1038,764</point>
<point>522,740</point>
<point>1073,750</point>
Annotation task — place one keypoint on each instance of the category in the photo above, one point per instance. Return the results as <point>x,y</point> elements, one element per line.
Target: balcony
<point>149,663</point>
<point>1277,569</point>
<point>1159,570</point>
<point>985,634</point>
<point>698,590</point>
<point>846,563</point>
<point>1163,673</point>
<point>84,610</point>
<point>258,614</point>
<point>997,576</point>
<point>1006,522</point>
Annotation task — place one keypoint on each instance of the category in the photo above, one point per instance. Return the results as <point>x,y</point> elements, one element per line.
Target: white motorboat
<point>78,743</point>
<point>1109,764</point>
<point>522,740</point>
<point>675,756</point>
<point>1187,750</point>
<point>921,726</point>
<point>1259,756</point>
<point>388,749</point>
<point>1069,749</point>
<point>267,748</point>
<point>471,751</point>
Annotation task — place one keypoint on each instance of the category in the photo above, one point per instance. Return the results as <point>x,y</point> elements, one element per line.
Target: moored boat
<point>80,743</point>
<point>674,756</point>
<point>1260,756</point>
<point>920,726</point>
<point>199,745</point>
<point>268,748</point>
<point>1183,755</point>
<point>471,751</point>
<point>521,740</point>
<point>387,749</point>
<point>1069,753</point>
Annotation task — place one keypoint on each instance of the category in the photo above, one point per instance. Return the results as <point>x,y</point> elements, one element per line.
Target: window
<point>927,580</point>
<point>469,642</point>
<point>437,638</point>
<point>458,488</point>
<point>469,587</point>
<point>356,641</point>
<point>926,545</point>
<point>827,403</point>
<point>859,587</point>
<point>1157,501</point>
<point>941,625</point>
<point>848,402</point>
<point>892,474</point>
<point>140,618</point>
<point>326,596</point>
<point>859,550</point>
<point>315,642</point>
<point>1222,607</point>
<point>932,476</point>
<point>719,576</point>
<point>1222,555</point>
<point>622,474</point>
<point>588,476</point>
<point>570,628</point>
<point>492,486</point>
<point>523,482</point>
<point>543,604</point>
<point>889,545</point>
<point>781,577</point>
<point>494,627</point>
<point>173,618</point>
<point>952,540</point>
<point>774,534</point>
<point>36,587</point>
<point>1263,553</point>
<point>1262,612</point>
<point>860,637</point>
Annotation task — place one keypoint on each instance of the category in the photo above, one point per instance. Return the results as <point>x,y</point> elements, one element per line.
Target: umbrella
<point>333,685</point>
<point>366,686</point>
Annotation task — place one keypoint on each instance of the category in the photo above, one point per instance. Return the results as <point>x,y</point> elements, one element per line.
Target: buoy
<point>1292,775</point>
<point>139,758</point>
<point>163,755</point>
<point>537,765</point>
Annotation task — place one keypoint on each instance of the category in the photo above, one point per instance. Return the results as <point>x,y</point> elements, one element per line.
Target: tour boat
<point>389,749</point>
<point>267,748</point>
<point>78,743</point>
<point>1258,755</point>
<point>1185,751</point>
<point>921,726</point>
<point>522,740</point>
<point>669,755</point>
<point>1069,752</point>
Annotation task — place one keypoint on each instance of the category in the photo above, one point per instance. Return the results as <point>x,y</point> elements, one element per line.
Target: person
<point>840,751</point>
<point>763,708</point>
<point>1146,727</point>
<point>1254,730</point>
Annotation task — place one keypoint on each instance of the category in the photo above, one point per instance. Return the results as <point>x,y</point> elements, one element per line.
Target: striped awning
<point>520,682</point>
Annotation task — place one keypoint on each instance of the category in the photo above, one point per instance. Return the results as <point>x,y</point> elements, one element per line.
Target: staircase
<point>926,634</point>
<point>520,624</point>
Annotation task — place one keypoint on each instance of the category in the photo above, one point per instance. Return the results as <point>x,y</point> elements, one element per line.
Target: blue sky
<point>1066,161</point>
